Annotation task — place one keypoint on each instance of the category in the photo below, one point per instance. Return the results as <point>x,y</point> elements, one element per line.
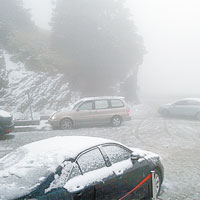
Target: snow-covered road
<point>176,140</point>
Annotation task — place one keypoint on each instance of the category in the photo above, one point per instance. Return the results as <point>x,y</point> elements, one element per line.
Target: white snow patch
<point>4,114</point>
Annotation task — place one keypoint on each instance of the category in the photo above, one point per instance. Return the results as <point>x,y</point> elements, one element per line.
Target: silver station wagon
<point>93,110</point>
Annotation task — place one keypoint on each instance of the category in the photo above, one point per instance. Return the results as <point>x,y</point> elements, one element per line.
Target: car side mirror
<point>77,110</point>
<point>134,157</point>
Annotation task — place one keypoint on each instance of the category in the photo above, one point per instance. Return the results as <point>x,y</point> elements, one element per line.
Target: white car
<point>189,107</point>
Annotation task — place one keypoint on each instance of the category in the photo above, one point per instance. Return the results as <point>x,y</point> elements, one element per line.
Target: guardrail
<point>27,122</point>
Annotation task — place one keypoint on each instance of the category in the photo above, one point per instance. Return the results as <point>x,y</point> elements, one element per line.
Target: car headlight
<point>53,117</point>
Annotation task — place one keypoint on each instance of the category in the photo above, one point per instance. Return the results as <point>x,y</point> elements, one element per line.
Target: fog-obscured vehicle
<point>78,167</point>
<point>94,110</point>
<point>189,107</point>
<point>6,123</point>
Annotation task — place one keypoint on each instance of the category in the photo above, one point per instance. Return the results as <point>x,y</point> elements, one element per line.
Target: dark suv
<point>6,123</point>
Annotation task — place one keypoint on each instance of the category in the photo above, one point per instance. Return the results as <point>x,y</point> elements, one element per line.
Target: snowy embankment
<point>47,92</point>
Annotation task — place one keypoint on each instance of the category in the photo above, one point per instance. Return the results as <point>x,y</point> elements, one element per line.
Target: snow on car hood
<point>148,155</point>
<point>4,114</point>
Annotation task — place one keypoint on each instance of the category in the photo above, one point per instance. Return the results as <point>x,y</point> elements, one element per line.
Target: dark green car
<point>78,168</point>
<point>6,123</point>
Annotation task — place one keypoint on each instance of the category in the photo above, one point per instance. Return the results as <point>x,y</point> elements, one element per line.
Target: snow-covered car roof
<point>189,99</point>
<point>101,97</point>
<point>58,148</point>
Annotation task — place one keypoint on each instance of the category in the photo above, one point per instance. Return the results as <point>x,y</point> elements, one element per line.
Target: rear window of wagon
<point>116,103</point>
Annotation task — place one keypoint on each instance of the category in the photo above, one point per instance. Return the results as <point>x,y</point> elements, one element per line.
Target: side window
<point>101,104</point>
<point>74,172</point>
<point>194,103</point>
<point>116,103</point>
<point>116,153</point>
<point>181,103</point>
<point>86,106</point>
<point>91,160</point>
<point>62,177</point>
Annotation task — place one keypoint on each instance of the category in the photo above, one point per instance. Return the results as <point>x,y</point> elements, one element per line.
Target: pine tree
<point>97,42</point>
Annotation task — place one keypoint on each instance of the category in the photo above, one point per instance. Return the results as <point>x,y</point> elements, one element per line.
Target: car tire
<point>158,180</point>
<point>116,121</point>
<point>66,124</point>
<point>198,116</point>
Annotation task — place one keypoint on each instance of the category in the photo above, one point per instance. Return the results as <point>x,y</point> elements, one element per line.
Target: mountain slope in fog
<point>47,92</point>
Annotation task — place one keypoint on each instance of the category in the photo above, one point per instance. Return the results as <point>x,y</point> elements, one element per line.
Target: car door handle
<point>119,172</point>
<point>79,187</point>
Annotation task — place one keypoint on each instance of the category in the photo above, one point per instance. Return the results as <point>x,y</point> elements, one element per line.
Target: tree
<point>21,38</point>
<point>13,18</point>
<point>3,73</point>
<point>97,42</point>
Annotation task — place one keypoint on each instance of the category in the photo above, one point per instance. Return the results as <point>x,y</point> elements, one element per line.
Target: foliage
<point>21,38</point>
<point>99,44</point>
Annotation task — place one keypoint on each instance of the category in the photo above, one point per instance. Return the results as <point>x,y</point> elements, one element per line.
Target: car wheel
<point>198,116</point>
<point>157,182</point>
<point>66,124</point>
<point>116,121</point>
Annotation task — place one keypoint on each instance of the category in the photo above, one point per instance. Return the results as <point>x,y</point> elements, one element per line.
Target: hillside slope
<point>47,92</point>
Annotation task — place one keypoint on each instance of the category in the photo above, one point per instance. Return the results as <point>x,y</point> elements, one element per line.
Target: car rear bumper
<point>127,118</point>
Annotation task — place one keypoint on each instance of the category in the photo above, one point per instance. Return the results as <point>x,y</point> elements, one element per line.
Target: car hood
<point>148,155</point>
<point>60,114</point>
<point>20,174</point>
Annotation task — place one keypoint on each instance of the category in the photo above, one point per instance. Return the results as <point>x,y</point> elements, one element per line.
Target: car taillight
<point>8,131</point>
<point>129,112</point>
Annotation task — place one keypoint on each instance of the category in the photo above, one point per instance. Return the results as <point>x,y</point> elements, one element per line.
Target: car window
<point>116,103</point>
<point>195,103</point>
<point>116,153</point>
<point>86,106</point>
<point>61,178</point>
<point>182,103</point>
<point>75,105</point>
<point>75,171</point>
<point>91,160</point>
<point>101,104</point>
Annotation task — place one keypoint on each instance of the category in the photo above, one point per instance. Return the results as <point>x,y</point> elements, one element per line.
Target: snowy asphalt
<point>176,140</point>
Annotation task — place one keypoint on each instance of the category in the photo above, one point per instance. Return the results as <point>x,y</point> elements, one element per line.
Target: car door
<point>180,108</point>
<point>103,111</point>
<point>85,113</point>
<point>77,186</point>
<point>193,107</point>
<point>96,175</point>
<point>130,173</point>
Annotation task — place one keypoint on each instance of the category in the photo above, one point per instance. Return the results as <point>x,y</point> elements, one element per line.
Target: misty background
<point>170,31</point>
<point>60,51</point>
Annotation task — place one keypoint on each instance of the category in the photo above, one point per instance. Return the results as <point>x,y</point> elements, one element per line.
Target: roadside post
<point>30,101</point>
<point>154,196</point>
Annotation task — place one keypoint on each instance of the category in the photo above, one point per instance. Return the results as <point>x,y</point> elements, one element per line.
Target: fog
<point>170,30</point>
<point>41,11</point>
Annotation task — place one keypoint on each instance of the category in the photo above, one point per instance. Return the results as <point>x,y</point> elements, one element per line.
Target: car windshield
<point>21,173</point>
<point>76,105</point>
